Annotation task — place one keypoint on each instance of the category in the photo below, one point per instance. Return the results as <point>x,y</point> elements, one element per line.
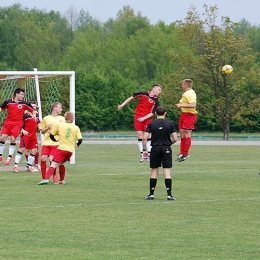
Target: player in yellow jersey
<point>49,147</point>
<point>68,135</point>
<point>187,119</point>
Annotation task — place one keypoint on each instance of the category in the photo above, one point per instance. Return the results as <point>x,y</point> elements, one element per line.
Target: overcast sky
<point>155,10</point>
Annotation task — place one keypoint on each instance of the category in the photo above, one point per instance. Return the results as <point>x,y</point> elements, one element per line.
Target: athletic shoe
<point>55,178</point>
<point>38,167</point>
<point>170,198</point>
<point>148,158</point>
<point>29,169</point>
<point>1,158</point>
<point>178,158</point>
<point>184,157</point>
<point>149,197</point>
<point>62,182</point>
<point>35,169</point>
<point>43,182</point>
<point>142,158</point>
<point>8,160</point>
<point>15,169</point>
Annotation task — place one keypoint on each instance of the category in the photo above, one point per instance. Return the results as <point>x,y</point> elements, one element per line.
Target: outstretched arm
<point>128,100</point>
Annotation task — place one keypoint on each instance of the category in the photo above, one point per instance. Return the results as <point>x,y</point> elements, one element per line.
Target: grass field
<point>101,212</point>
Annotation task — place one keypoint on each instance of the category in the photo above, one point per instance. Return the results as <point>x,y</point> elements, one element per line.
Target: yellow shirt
<point>188,97</point>
<point>68,135</point>
<point>47,120</point>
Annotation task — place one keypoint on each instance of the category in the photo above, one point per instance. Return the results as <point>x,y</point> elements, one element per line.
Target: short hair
<point>55,104</point>
<point>157,85</point>
<point>18,90</point>
<point>32,101</point>
<point>69,116</point>
<point>189,82</point>
<point>160,110</point>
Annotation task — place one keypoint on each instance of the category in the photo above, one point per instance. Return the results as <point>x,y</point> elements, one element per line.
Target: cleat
<point>184,157</point>
<point>1,158</point>
<point>29,169</point>
<point>8,160</point>
<point>35,169</point>
<point>178,158</point>
<point>43,182</point>
<point>142,158</point>
<point>55,178</point>
<point>170,198</point>
<point>148,158</point>
<point>62,182</point>
<point>38,167</point>
<point>150,197</point>
<point>15,169</point>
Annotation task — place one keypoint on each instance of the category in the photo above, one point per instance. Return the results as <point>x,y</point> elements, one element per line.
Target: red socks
<point>185,145</point>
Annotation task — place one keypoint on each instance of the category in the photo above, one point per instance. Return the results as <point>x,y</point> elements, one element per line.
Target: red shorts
<point>187,121</point>
<point>62,156</point>
<point>141,126</point>
<point>28,143</point>
<point>49,150</point>
<point>11,130</point>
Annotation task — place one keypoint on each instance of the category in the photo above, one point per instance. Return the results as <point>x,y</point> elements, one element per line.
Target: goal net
<point>46,87</point>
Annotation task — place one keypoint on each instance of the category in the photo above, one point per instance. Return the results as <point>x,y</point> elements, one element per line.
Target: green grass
<point>101,212</point>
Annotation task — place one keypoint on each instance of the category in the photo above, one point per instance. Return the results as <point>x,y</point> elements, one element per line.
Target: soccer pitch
<point>101,212</point>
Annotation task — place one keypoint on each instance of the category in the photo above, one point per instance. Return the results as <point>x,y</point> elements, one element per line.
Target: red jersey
<point>31,124</point>
<point>146,103</point>
<point>15,111</point>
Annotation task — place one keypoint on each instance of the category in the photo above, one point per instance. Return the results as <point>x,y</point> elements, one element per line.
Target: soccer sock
<point>182,146</point>
<point>36,160</point>
<point>43,169</point>
<point>2,148</point>
<point>153,183</point>
<point>62,171</point>
<point>31,159</point>
<point>140,146</point>
<point>18,157</point>
<point>149,147</point>
<point>49,173</point>
<point>12,148</point>
<point>168,185</point>
<point>187,142</point>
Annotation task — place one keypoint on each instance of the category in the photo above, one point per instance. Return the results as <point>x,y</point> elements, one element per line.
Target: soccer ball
<point>227,69</point>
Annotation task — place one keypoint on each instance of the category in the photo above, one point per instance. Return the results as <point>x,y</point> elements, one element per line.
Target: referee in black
<point>163,136</point>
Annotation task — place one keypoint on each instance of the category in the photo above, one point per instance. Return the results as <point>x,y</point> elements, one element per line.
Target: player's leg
<point>18,155</point>
<point>2,145</point>
<point>52,154</point>
<point>44,157</point>
<point>167,165</point>
<point>48,174</point>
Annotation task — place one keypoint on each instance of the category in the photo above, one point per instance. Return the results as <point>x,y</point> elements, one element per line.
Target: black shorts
<point>161,156</point>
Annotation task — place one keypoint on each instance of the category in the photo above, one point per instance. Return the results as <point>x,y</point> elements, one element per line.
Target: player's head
<point>187,83</point>
<point>56,108</point>
<point>160,111</point>
<point>69,116</point>
<point>157,89</point>
<point>33,104</point>
<point>19,94</point>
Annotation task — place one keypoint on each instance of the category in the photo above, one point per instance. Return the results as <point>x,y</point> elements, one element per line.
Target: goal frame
<point>36,74</point>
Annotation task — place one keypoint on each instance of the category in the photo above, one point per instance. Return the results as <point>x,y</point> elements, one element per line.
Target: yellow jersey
<point>188,97</point>
<point>50,120</point>
<point>68,134</point>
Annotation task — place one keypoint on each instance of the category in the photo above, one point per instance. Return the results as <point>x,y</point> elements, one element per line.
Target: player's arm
<point>79,142</point>
<point>53,138</point>
<point>191,105</point>
<point>145,117</point>
<point>128,100</point>
<point>174,138</point>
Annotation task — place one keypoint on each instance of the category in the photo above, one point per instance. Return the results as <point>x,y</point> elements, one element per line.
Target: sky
<point>155,10</point>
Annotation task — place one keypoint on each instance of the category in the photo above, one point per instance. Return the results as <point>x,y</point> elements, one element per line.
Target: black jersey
<point>161,130</point>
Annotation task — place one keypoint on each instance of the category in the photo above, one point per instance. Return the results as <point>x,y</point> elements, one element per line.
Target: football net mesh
<point>52,89</point>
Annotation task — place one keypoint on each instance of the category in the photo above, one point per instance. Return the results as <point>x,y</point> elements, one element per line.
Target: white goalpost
<point>46,87</point>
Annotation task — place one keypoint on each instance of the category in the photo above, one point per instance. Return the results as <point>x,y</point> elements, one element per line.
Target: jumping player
<point>144,112</point>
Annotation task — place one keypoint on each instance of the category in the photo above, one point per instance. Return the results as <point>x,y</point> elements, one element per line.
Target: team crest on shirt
<point>19,106</point>
<point>150,100</point>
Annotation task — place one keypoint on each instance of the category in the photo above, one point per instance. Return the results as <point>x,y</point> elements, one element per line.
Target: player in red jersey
<point>28,141</point>
<point>144,112</point>
<point>14,121</point>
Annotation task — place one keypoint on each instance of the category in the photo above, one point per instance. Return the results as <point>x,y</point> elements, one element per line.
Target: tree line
<point>114,59</point>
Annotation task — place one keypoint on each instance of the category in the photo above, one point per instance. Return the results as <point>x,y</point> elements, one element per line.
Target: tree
<point>226,97</point>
